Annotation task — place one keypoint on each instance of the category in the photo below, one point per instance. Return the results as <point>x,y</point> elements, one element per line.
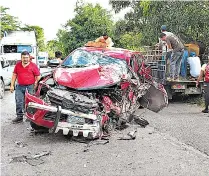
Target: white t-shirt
<point>195,66</point>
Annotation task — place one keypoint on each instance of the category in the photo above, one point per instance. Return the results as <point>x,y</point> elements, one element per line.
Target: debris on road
<point>96,142</point>
<point>16,159</point>
<point>20,144</point>
<point>140,121</point>
<point>130,136</point>
<point>44,153</point>
<point>33,160</point>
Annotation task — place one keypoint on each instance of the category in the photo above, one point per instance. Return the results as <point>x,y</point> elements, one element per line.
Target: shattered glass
<point>82,58</point>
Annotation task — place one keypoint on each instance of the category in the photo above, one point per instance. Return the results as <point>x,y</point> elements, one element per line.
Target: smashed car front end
<point>56,108</point>
<point>89,94</point>
<point>56,118</point>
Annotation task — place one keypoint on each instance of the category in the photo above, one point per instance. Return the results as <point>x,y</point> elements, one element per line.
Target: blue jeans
<point>175,64</point>
<point>20,98</point>
<point>206,94</point>
<point>183,72</point>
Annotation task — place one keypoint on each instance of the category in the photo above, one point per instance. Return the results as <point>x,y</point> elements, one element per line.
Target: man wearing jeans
<point>27,75</point>
<point>177,47</point>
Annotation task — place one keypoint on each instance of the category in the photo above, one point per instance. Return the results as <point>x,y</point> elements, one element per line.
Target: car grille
<point>72,101</point>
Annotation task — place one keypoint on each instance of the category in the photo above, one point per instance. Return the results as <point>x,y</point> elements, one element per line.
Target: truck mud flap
<point>154,100</point>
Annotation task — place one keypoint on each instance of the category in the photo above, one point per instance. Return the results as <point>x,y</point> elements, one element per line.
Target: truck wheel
<point>2,89</point>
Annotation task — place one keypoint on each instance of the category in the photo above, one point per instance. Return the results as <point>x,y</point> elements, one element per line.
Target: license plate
<point>194,89</point>
<point>178,86</point>
<point>75,120</point>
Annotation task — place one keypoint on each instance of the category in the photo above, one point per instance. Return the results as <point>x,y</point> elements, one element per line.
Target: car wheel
<point>2,89</point>
<point>39,128</point>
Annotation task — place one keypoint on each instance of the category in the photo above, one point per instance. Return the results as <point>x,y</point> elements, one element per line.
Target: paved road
<point>184,122</point>
<point>175,143</point>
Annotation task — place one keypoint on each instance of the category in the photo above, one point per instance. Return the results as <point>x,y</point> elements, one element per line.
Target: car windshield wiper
<point>78,66</point>
<point>73,66</point>
<point>66,66</point>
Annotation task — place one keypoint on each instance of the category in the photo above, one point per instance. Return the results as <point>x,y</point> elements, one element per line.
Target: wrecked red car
<point>93,91</point>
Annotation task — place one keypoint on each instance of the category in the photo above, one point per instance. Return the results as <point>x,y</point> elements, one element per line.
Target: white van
<point>13,43</point>
<point>5,75</point>
<point>43,58</point>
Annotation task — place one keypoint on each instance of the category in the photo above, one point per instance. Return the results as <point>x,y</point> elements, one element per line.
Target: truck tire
<point>2,88</point>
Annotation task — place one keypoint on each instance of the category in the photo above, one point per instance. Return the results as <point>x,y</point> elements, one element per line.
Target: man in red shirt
<point>27,75</point>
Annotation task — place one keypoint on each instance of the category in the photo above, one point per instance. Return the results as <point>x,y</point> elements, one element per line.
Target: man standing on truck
<point>205,73</point>
<point>177,48</point>
<point>27,75</point>
<point>195,65</point>
<point>163,44</point>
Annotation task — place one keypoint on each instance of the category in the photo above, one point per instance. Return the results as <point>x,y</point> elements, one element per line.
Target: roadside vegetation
<point>140,26</point>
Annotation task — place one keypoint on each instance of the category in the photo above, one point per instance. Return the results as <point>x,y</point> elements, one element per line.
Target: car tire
<point>38,128</point>
<point>2,88</point>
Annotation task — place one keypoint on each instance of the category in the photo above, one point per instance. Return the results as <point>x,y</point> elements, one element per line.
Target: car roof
<point>118,53</point>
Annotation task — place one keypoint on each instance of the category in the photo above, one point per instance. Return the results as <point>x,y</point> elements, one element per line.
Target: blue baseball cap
<point>192,54</point>
<point>163,27</point>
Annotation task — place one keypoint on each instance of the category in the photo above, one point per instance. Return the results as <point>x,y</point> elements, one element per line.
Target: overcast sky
<point>50,15</point>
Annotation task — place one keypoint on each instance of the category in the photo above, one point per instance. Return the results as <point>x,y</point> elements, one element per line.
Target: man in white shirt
<point>195,65</point>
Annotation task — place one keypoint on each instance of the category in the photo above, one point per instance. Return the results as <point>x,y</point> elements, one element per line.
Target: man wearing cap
<point>105,39</point>
<point>177,48</point>
<point>164,30</point>
<point>163,44</point>
<point>27,75</point>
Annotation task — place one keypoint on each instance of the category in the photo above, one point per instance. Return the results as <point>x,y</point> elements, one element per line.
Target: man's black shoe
<point>17,120</point>
<point>205,111</point>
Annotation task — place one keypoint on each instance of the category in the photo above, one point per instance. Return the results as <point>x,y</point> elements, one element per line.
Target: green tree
<point>189,20</point>
<point>51,47</point>
<point>8,22</point>
<point>39,31</point>
<point>89,23</point>
<point>131,40</point>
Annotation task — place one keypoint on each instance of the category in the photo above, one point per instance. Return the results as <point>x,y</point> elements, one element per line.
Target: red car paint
<point>79,78</point>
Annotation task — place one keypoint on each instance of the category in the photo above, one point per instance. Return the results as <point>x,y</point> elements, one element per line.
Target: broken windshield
<point>82,58</point>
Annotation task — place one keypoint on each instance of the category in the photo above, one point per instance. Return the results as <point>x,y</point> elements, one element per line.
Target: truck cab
<point>15,42</point>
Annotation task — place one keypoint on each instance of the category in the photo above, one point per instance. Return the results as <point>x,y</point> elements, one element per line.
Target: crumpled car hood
<point>92,77</point>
